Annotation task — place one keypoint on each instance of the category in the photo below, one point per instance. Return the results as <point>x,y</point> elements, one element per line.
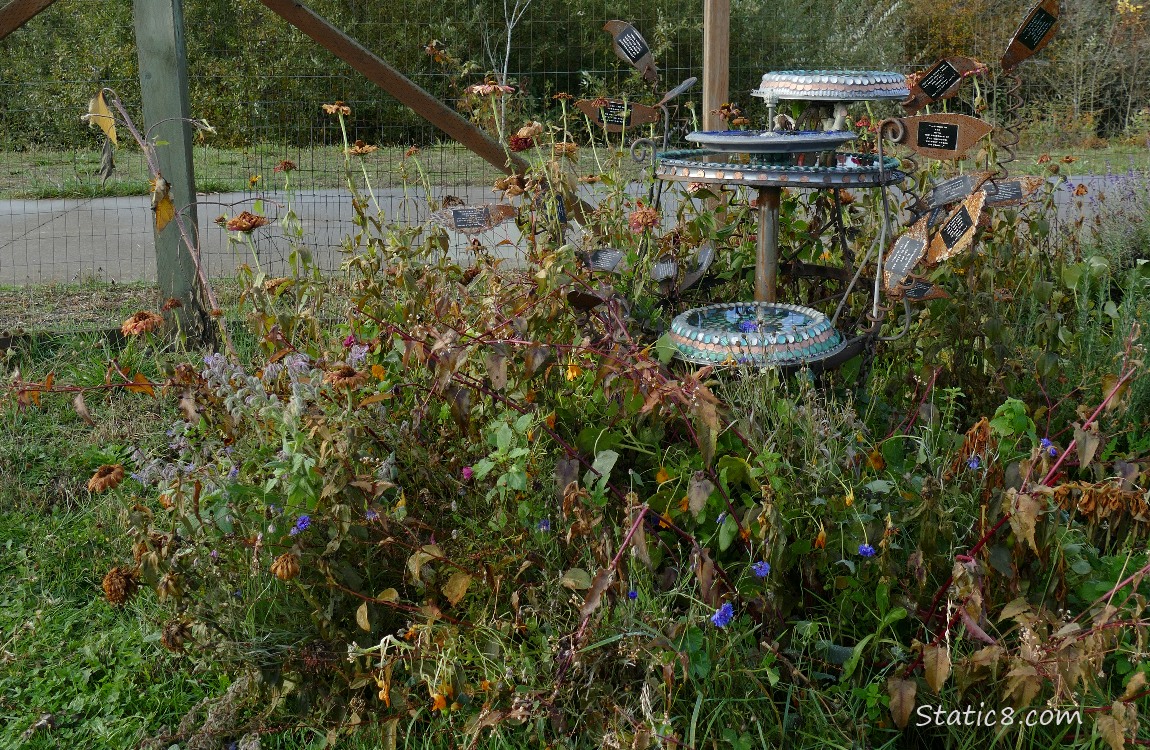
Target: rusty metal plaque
<point>1036,31</point>
<point>957,232</point>
<point>941,82</point>
<point>474,219</point>
<point>616,115</point>
<point>942,136</point>
<point>1011,192</point>
<point>919,289</point>
<point>632,48</point>
<point>904,256</point>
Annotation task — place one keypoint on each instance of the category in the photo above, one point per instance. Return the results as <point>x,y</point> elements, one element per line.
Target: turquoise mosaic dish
<point>755,334</point>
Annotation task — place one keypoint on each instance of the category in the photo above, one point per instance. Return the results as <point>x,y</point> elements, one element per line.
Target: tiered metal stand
<point>765,332</point>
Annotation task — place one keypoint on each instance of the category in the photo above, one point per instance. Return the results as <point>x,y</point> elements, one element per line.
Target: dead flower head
<point>517,143</point>
<point>489,89</point>
<point>145,321</point>
<point>361,149</point>
<point>345,377</point>
<point>285,166</point>
<point>563,96</point>
<point>107,477</point>
<point>120,585</point>
<point>531,130</point>
<point>247,222</point>
<point>413,151</point>
<point>274,286</point>
<point>643,218</point>
<point>171,303</point>
<point>174,634</point>
<point>567,149</point>
<point>339,108</point>
<point>286,566</point>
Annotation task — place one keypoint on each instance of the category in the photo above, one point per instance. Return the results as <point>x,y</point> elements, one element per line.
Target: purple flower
<point>974,462</point>
<point>632,594</point>
<point>370,515</point>
<point>349,341</point>
<point>545,524</point>
<point>1048,446</point>
<point>301,524</point>
<point>723,615</point>
<point>761,569</point>
<point>866,550</point>
<point>357,355</point>
<point>467,473</point>
<point>748,326</point>
<point>215,555</point>
<point>233,473</point>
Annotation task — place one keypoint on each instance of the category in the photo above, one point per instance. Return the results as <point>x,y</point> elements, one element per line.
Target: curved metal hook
<point>643,150</point>
<point>905,322</point>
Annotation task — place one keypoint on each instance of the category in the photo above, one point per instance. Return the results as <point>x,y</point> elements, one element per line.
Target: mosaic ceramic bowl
<point>769,141</point>
<point>832,86</point>
<point>755,334</point>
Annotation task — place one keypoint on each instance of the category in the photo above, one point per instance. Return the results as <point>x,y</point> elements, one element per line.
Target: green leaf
<point>853,662</point>
<point>664,349</point>
<point>736,469</point>
<point>604,462</point>
<point>727,532</point>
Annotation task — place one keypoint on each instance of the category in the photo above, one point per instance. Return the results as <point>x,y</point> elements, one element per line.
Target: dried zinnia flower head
<point>286,566</point>
<point>145,321</point>
<point>516,143</point>
<point>174,634</point>
<point>171,303</point>
<point>362,149</point>
<point>107,477</point>
<point>345,377</point>
<point>643,218</point>
<point>247,222</point>
<point>339,108</point>
<point>285,166</point>
<point>120,585</point>
<point>565,149</point>
<point>531,130</point>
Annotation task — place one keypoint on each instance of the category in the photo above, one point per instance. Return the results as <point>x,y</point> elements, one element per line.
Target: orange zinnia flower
<point>361,149</point>
<point>821,539</point>
<point>339,108</point>
<point>345,377</point>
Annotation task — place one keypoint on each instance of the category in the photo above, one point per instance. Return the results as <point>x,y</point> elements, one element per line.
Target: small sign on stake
<point>941,82</point>
<point>919,289</point>
<point>632,48</point>
<point>474,219</point>
<point>1035,32</point>
<point>942,136</point>
<point>1010,192</point>
<point>957,232</point>
<point>616,115</point>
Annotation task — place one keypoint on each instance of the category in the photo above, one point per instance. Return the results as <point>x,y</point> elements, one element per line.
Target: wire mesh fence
<point>261,84</point>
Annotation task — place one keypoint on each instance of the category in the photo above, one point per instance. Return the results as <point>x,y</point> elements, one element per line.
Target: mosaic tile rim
<point>817,339</point>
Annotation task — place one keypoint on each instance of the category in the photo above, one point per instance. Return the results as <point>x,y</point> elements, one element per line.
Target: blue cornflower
<point>761,569</point>
<point>545,525</point>
<point>632,594</point>
<point>1048,446</point>
<point>301,524</point>
<point>723,615</point>
<point>974,462</point>
<point>866,550</point>
<point>233,473</point>
<point>371,515</point>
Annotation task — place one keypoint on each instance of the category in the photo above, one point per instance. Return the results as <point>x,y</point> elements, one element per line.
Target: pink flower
<point>349,341</point>
<point>643,218</point>
<point>468,473</point>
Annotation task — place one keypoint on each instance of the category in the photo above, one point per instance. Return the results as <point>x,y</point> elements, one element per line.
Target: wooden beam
<point>164,86</point>
<point>18,12</point>
<point>395,83</point>
<point>716,59</point>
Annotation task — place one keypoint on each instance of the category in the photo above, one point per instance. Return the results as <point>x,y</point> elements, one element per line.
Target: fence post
<point>716,59</point>
<point>164,86</point>
<point>18,12</point>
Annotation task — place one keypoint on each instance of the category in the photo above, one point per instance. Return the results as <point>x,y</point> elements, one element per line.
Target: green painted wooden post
<point>164,84</point>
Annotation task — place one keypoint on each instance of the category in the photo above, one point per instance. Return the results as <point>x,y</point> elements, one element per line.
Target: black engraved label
<point>956,227</point>
<point>632,44</point>
<point>469,218</point>
<point>939,79</point>
<point>952,190</point>
<point>938,135</point>
<point>918,289</point>
<point>615,113</point>
<point>905,254</point>
<point>1036,29</point>
<point>1003,192</point>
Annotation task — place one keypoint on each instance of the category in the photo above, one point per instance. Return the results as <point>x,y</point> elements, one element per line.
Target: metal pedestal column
<point>767,255</point>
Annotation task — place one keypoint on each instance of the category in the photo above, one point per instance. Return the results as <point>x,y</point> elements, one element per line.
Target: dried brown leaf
<point>936,664</point>
<point>1024,517</point>
<point>456,587</point>
<point>82,408</point>
<point>699,489</point>
<point>361,618</point>
<point>496,362</point>
<point>1086,443</point>
<point>603,579</point>
<point>902,694</point>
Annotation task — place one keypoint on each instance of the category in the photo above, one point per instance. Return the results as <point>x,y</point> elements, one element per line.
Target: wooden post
<point>395,83</point>
<point>17,13</point>
<point>716,59</point>
<point>164,86</point>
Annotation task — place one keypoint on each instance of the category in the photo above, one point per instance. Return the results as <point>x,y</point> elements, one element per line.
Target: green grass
<point>71,174</point>
<point>99,671</point>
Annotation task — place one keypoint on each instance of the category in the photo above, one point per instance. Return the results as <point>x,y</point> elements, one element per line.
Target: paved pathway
<point>111,239</point>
